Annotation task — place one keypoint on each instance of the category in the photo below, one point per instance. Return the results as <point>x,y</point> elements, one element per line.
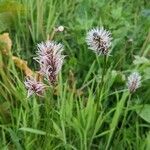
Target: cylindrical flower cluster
<point>134,82</point>
<point>50,59</point>
<point>99,40</point>
<point>34,87</point>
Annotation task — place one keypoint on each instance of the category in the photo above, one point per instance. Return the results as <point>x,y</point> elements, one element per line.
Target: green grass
<point>84,114</point>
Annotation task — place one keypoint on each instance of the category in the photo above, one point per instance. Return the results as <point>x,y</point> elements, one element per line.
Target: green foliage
<point>83,114</point>
<point>144,112</point>
<point>8,13</point>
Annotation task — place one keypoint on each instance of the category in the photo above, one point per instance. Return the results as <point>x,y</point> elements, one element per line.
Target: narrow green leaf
<point>31,130</point>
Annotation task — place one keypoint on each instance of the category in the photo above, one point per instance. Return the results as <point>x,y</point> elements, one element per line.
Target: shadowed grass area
<point>81,113</point>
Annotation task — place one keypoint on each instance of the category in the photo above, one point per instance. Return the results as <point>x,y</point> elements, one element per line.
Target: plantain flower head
<point>134,82</point>
<point>99,40</point>
<point>50,59</point>
<point>34,87</point>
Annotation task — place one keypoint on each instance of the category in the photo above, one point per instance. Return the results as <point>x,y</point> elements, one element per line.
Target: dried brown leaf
<point>5,43</point>
<point>22,65</point>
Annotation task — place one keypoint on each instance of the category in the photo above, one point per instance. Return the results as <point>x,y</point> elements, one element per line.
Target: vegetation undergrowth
<point>91,106</point>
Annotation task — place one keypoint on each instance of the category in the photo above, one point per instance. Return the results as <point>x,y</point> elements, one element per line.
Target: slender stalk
<point>126,111</point>
<point>125,117</point>
<point>102,80</point>
<point>116,117</point>
<point>104,70</point>
<point>50,37</point>
<point>103,76</point>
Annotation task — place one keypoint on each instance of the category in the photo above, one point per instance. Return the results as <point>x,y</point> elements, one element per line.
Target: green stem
<point>102,80</point>
<point>126,111</point>
<point>104,70</point>
<point>116,117</point>
<point>125,117</point>
<point>100,87</point>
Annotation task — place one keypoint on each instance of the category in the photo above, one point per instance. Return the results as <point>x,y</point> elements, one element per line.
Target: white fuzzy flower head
<point>134,82</point>
<point>34,87</point>
<point>60,29</point>
<point>99,40</point>
<point>50,59</point>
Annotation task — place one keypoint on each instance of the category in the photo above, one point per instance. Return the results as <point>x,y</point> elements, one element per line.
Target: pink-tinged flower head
<point>134,82</point>
<point>50,59</point>
<point>34,87</point>
<point>99,40</point>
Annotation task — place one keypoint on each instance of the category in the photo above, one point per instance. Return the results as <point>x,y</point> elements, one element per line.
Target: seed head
<point>50,59</point>
<point>60,29</point>
<point>134,82</point>
<point>34,87</point>
<point>99,40</point>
